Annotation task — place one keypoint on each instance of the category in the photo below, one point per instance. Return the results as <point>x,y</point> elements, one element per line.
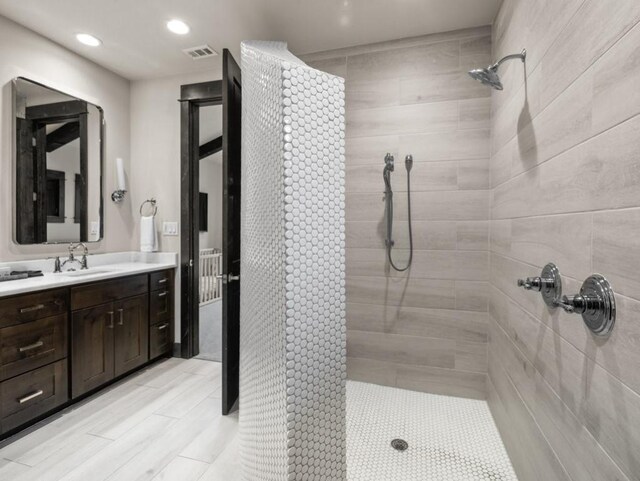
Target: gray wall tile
<point>423,329</point>
<point>564,173</point>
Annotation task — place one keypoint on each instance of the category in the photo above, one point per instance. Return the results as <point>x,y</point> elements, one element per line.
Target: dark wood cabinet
<point>108,341</point>
<point>32,394</point>
<point>161,314</point>
<point>161,305</point>
<point>108,291</point>
<point>60,344</point>
<point>30,345</point>
<point>29,307</point>
<point>33,356</point>
<point>160,339</point>
<point>131,334</point>
<point>92,351</point>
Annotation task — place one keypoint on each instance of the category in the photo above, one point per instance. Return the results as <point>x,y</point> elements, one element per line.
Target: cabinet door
<point>92,336</point>
<point>131,333</point>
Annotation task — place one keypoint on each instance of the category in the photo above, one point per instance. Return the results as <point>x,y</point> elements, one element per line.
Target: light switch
<point>170,228</point>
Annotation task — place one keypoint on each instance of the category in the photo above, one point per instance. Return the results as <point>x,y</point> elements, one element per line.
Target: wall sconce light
<point>118,195</point>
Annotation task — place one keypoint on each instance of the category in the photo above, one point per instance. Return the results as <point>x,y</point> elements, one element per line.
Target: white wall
<point>155,153</point>
<point>25,53</point>
<point>211,176</point>
<point>211,184</point>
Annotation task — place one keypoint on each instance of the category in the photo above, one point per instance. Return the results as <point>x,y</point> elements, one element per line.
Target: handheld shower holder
<point>389,162</point>
<point>408,162</point>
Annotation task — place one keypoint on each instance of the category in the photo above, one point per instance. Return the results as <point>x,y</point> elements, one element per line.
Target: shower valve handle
<point>595,302</point>
<point>531,283</point>
<point>548,284</point>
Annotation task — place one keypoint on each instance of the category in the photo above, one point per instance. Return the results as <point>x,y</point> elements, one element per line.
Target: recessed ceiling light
<point>88,39</point>
<point>178,27</point>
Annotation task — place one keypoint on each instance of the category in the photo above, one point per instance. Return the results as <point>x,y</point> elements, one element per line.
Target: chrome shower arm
<point>522,56</point>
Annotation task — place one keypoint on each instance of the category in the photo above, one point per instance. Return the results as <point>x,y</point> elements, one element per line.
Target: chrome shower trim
<point>596,302</point>
<point>522,56</point>
<point>489,75</point>
<point>548,284</point>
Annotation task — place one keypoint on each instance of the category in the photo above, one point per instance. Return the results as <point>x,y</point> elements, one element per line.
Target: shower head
<point>489,75</point>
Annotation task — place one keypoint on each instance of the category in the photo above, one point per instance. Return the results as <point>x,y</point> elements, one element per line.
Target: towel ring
<point>154,205</point>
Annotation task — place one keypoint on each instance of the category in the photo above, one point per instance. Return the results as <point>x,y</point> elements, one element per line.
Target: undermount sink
<point>86,272</point>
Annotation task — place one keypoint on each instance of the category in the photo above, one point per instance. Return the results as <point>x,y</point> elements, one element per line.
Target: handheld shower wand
<point>388,198</point>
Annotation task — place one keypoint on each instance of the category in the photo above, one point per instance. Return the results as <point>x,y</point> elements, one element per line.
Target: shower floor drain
<point>399,444</point>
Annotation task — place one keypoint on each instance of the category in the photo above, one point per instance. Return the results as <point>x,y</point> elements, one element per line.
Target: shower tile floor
<point>449,438</point>
<point>164,423</point>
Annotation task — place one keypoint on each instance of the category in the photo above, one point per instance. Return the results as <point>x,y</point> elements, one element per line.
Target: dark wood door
<point>131,333</point>
<point>25,175</point>
<point>231,115</point>
<point>92,348</point>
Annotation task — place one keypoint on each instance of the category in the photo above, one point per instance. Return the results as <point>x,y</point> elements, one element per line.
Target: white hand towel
<point>148,237</point>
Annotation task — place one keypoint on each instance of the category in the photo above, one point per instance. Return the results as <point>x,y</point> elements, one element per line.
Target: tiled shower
<point>508,349</point>
<point>503,182</point>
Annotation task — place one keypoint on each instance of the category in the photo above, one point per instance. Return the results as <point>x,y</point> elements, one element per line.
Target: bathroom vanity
<point>65,335</point>
<point>85,322</point>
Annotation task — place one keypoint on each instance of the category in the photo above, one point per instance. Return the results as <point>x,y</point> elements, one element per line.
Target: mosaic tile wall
<point>293,328</point>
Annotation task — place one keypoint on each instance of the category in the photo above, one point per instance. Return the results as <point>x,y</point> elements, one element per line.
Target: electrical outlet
<point>95,228</point>
<point>170,228</point>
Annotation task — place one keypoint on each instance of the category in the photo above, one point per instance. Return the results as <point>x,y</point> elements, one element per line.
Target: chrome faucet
<point>72,259</point>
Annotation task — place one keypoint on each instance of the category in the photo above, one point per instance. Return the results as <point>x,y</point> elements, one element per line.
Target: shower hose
<point>389,216</point>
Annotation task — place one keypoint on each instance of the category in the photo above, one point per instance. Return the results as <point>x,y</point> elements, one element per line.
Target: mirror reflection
<point>58,166</point>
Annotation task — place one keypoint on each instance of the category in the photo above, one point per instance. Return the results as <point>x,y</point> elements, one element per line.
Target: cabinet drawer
<point>161,305</point>
<point>108,291</point>
<point>161,280</point>
<point>31,345</point>
<point>19,309</point>
<point>27,396</point>
<point>160,339</point>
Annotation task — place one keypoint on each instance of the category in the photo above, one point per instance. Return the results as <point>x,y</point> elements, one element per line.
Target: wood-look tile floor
<point>163,423</point>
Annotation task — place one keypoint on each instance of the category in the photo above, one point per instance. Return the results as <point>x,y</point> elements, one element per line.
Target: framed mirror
<point>58,166</point>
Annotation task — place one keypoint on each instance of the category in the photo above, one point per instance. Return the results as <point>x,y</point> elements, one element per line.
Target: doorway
<point>210,226</point>
<point>215,273</point>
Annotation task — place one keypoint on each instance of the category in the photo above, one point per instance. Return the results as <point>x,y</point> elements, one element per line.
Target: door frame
<point>192,97</point>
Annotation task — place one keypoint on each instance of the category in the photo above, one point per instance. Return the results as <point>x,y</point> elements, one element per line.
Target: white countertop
<point>101,267</point>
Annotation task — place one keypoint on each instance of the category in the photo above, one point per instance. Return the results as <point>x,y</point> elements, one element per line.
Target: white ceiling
<point>137,44</point>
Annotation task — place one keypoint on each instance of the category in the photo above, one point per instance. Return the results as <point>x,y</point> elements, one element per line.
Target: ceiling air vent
<point>203,51</point>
